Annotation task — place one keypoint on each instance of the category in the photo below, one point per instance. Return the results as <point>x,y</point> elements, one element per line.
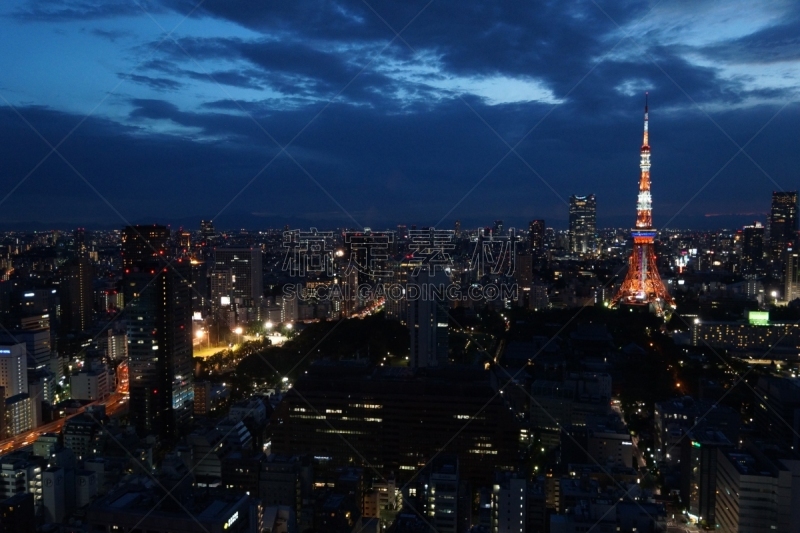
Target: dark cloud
<point>769,45</point>
<point>405,138</point>
<point>68,10</point>
<point>386,169</point>
<point>160,84</point>
<point>111,35</point>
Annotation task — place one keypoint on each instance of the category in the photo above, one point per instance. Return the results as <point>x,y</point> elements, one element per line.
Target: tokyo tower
<point>643,285</point>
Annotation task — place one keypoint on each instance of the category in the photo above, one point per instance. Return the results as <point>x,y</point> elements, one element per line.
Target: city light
<point>521,394</point>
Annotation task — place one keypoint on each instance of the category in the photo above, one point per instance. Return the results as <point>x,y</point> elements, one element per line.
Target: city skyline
<point>392,134</point>
<point>359,266</point>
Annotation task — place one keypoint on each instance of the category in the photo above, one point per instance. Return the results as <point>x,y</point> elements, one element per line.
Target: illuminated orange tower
<point>643,285</point>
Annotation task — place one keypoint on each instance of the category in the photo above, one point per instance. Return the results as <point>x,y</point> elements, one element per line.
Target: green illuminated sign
<point>758,318</point>
<point>696,444</point>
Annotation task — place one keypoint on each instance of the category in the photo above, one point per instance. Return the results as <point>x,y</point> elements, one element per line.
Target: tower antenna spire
<point>646,141</point>
<point>643,285</point>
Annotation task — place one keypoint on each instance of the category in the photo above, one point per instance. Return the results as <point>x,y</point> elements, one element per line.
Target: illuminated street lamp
<point>202,333</point>
<point>268,325</point>
<point>238,332</point>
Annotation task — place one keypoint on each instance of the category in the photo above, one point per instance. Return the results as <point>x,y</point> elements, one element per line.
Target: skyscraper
<point>207,231</point>
<point>143,243</point>
<point>159,331</point>
<point>642,285</point>
<point>536,236</point>
<point>76,295</point>
<point>246,272</point>
<point>582,224</point>
<point>782,222</point>
<point>752,261</point>
<point>13,369</point>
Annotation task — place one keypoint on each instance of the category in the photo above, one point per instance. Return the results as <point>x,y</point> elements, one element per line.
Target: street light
<point>268,325</point>
<point>201,333</point>
<point>238,331</point>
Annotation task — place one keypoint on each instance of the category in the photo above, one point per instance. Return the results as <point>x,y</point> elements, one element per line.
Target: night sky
<point>179,112</point>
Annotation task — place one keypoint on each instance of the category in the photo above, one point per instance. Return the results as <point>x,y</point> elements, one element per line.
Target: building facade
<point>582,224</point>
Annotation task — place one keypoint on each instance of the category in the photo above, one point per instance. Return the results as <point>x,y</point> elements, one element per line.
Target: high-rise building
<point>497,229</point>
<point>699,460</point>
<point>523,274</point>
<point>159,331</point>
<point>442,496</point>
<point>536,237</point>
<point>792,276</point>
<point>428,320</point>
<point>642,285</point>
<point>782,222</point>
<point>752,262</point>
<point>396,305</point>
<point>18,414</point>
<point>81,246</point>
<point>20,474</point>
<point>183,239</point>
<point>13,369</point>
<point>398,419</point>
<point>76,295</point>
<point>582,224</point>
<point>207,231</point>
<point>143,243</point>
<point>244,265</point>
<point>200,285</point>
<point>755,492</point>
<point>221,287</point>
<point>509,505</point>
<point>36,342</point>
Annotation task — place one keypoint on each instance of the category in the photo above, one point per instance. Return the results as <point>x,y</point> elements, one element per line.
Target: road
<point>115,404</point>
<point>637,453</point>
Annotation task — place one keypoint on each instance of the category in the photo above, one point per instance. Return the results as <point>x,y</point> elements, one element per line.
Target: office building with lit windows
<point>699,462</point>
<point>144,243</point>
<point>397,418</point>
<point>244,267</point>
<point>582,224</point>
<point>159,332</point>
<point>752,260</point>
<point>757,333</point>
<point>13,369</point>
<point>536,237</point>
<point>441,499</point>
<point>783,222</point>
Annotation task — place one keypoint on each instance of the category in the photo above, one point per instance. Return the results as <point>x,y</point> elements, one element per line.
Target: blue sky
<point>181,110</point>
